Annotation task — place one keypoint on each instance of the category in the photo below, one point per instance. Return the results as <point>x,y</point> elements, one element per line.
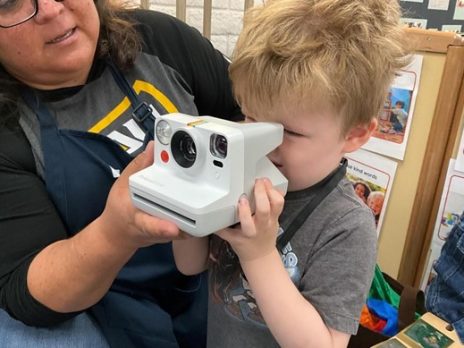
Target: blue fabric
<point>79,332</point>
<point>387,312</point>
<point>445,294</point>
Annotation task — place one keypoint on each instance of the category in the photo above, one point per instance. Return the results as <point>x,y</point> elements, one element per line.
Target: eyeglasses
<point>14,12</point>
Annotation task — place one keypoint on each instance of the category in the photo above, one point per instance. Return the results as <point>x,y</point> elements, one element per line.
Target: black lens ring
<point>183,149</point>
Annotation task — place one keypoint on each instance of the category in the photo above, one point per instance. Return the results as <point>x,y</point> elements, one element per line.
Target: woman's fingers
<point>141,227</point>
<point>158,228</point>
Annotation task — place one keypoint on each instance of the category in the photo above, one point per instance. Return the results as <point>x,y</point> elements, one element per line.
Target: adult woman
<point>76,78</point>
<point>362,190</point>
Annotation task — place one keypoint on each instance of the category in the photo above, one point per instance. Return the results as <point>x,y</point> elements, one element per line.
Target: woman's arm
<point>72,274</point>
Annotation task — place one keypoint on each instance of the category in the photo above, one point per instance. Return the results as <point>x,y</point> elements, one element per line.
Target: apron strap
<point>49,131</point>
<point>142,113</point>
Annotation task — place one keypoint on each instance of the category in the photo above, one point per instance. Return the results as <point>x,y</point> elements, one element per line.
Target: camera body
<point>202,166</point>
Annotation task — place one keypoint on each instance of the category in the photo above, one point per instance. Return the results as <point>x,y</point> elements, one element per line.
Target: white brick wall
<point>226,20</point>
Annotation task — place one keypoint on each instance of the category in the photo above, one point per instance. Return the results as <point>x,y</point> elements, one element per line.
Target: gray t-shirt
<point>330,259</point>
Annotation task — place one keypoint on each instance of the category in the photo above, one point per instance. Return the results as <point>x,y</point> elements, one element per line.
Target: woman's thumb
<point>143,160</point>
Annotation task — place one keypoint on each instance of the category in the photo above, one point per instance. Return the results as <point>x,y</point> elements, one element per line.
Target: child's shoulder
<point>344,200</point>
<point>343,211</point>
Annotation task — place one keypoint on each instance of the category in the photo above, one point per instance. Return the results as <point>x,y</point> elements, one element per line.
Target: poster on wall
<point>449,211</point>
<point>459,10</point>
<point>395,118</point>
<point>372,177</point>
<point>452,28</point>
<point>460,155</point>
<point>414,22</point>
<point>438,5</point>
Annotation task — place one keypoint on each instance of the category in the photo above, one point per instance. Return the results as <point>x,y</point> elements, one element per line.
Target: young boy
<point>321,68</point>
<point>399,117</point>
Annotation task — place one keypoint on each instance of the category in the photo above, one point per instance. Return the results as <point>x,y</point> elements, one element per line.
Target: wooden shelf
<point>433,40</point>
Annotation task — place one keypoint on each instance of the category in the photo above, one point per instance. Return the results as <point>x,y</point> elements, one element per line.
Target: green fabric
<point>381,290</point>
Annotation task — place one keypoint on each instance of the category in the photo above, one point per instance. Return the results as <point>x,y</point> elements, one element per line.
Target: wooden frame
<point>181,9</point>
<point>145,4</point>
<point>181,12</point>
<point>440,144</point>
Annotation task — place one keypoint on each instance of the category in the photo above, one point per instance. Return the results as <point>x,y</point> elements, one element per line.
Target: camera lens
<point>183,149</point>
<point>218,145</point>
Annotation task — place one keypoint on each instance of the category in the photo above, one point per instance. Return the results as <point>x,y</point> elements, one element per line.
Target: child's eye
<point>293,134</point>
<point>249,119</point>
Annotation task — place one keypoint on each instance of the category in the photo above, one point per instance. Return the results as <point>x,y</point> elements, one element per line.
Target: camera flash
<point>163,132</point>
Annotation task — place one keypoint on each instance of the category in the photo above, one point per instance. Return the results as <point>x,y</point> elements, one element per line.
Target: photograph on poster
<point>460,156</point>
<point>395,118</point>
<point>412,0</point>
<point>439,5</point>
<point>453,204</point>
<point>454,28</point>
<point>414,22</point>
<point>459,10</point>
<point>372,176</point>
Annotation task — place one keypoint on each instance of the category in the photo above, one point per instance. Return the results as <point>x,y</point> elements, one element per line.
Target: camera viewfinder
<point>218,146</point>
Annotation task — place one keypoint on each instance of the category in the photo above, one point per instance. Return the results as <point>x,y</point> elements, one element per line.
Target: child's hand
<point>256,236</point>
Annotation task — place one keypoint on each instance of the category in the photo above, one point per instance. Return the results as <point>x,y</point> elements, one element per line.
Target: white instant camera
<point>202,167</point>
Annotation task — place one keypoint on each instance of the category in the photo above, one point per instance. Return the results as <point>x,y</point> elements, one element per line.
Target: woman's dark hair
<point>118,40</point>
<point>367,190</point>
<point>118,37</point>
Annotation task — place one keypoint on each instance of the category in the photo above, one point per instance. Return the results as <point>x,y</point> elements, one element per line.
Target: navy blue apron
<point>150,304</point>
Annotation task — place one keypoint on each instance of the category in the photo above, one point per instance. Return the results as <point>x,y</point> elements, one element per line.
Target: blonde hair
<point>341,54</point>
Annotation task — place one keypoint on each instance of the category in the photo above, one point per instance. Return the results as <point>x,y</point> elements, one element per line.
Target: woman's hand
<point>257,234</point>
<point>73,274</point>
<point>128,225</point>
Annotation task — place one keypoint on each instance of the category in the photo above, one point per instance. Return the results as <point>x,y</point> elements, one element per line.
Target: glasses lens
<point>14,12</point>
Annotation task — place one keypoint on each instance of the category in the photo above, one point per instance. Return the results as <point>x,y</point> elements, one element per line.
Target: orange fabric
<point>371,321</point>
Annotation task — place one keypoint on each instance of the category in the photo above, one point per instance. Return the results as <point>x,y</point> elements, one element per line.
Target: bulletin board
<point>434,14</point>
<point>413,204</point>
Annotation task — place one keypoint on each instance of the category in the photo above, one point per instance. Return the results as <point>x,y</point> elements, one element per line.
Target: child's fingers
<point>246,218</point>
<point>276,201</point>
<point>276,198</point>
<point>262,205</point>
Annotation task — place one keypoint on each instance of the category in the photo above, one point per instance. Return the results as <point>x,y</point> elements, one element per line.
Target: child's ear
<point>359,135</point>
